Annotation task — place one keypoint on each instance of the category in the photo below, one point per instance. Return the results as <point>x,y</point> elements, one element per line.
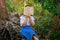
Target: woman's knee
<point>35,38</point>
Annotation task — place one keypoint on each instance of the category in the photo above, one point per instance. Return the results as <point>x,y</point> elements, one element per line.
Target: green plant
<point>53,6</point>
<point>55,35</point>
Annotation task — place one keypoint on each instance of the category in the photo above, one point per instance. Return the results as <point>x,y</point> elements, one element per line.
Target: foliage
<point>55,35</point>
<point>14,5</point>
<point>53,6</point>
<point>8,5</point>
<point>37,8</point>
<point>45,24</point>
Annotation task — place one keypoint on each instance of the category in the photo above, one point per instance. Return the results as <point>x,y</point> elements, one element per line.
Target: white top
<point>22,18</point>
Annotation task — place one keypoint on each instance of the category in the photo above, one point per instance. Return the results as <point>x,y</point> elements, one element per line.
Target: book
<point>28,10</point>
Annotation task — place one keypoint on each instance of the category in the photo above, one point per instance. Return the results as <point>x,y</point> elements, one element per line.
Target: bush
<point>55,35</point>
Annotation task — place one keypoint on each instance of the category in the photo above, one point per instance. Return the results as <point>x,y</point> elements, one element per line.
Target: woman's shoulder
<point>21,16</point>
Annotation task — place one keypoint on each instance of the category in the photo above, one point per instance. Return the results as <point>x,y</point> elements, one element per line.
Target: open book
<point>28,10</point>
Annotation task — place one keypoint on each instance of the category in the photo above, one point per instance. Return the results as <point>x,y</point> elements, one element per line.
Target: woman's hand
<point>28,14</point>
<point>31,22</point>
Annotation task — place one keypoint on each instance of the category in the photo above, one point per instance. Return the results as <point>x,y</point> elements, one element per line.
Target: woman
<point>26,21</point>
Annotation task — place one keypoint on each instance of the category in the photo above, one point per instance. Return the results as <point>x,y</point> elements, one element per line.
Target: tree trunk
<point>42,12</point>
<point>3,10</point>
<point>3,13</point>
<point>42,2</point>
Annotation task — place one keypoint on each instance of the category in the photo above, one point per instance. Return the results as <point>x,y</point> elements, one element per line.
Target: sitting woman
<point>26,21</point>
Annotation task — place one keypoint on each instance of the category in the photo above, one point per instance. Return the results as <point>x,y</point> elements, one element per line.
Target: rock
<point>13,26</point>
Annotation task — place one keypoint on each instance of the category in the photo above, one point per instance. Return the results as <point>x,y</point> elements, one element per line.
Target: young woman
<point>26,21</point>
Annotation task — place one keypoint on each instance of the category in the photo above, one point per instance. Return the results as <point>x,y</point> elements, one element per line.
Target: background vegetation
<point>47,16</point>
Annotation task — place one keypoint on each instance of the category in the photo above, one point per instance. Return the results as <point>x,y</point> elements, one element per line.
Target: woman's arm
<point>25,21</point>
<point>31,22</point>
